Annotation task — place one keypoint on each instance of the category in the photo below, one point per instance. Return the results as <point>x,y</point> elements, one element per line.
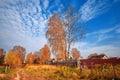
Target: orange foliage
<point>12,59</point>
<point>56,35</point>
<point>75,53</point>
<point>45,54</point>
<point>31,58</point>
<point>20,51</point>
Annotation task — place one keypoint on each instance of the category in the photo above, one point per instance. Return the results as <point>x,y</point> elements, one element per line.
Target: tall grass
<point>47,72</point>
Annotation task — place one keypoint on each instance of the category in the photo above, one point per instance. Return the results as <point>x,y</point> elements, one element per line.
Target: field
<point>49,72</point>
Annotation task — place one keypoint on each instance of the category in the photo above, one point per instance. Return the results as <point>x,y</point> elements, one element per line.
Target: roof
<point>89,62</point>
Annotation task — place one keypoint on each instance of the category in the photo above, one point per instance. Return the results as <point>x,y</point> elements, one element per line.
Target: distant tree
<point>58,57</point>
<point>92,55</point>
<point>45,54</point>
<point>56,35</point>
<point>31,58</point>
<point>12,59</point>
<point>20,51</point>
<point>2,56</point>
<point>75,53</point>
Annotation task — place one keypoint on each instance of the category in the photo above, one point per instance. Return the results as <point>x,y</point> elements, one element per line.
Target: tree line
<point>17,56</point>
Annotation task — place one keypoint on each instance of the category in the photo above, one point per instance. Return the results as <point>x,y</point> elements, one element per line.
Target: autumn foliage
<point>12,59</point>
<point>31,58</point>
<point>75,53</point>
<point>56,36</point>
<point>20,51</point>
<point>45,54</point>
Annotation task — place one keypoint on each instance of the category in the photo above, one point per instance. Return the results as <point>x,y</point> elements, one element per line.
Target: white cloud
<point>46,4</point>
<point>87,48</point>
<point>22,24</point>
<point>91,9</point>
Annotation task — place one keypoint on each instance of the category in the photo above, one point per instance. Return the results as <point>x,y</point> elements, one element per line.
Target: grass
<point>49,72</point>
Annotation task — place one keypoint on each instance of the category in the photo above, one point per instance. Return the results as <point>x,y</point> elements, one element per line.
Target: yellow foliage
<point>12,59</point>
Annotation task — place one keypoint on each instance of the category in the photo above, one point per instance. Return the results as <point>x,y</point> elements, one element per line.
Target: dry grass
<point>49,72</point>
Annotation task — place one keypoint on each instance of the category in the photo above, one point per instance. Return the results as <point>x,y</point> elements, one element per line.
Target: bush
<point>2,70</point>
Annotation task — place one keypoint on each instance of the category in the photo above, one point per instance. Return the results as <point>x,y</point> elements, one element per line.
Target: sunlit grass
<point>49,72</point>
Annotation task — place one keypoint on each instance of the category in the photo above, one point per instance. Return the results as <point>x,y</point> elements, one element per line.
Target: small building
<point>89,63</point>
<point>100,56</point>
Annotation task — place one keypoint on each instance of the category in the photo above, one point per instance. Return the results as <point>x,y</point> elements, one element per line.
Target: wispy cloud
<point>46,3</point>
<point>22,23</point>
<point>110,47</point>
<point>116,1</point>
<point>118,29</point>
<point>103,34</point>
<point>91,9</point>
<point>109,50</point>
<point>87,48</point>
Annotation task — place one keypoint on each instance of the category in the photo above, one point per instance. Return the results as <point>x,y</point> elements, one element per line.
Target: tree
<point>56,35</point>
<point>12,59</point>
<point>20,51</point>
<point>71,22</point>
<point>75,53</point>
<point>2,55</point>
<point>45,54</point>
<point>62,33</point>
<point>92,55</point>
<point>31,58</point>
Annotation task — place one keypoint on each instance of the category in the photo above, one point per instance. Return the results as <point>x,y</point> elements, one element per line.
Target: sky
<point>24,23</point>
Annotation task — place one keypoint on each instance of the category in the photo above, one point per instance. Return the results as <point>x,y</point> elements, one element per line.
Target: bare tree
<point>74,32</point>
<point>2,56</point>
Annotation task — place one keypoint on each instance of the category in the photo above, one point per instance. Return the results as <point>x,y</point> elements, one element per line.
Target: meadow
<point>50,72</point>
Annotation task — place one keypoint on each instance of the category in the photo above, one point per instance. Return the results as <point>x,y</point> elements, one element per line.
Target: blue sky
<point>24,22</point>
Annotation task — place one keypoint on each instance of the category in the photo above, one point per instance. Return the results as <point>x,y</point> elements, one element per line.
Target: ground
<point>49,72</point>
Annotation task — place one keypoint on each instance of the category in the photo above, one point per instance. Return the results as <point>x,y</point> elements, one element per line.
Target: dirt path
<point>2,75</point>
<point>17,77</point>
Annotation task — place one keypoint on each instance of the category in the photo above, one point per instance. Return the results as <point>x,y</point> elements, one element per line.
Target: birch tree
<point>56,36</point>
<point>71,22</point>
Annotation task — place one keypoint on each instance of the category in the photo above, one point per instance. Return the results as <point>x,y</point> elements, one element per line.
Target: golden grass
<point>49,72</point>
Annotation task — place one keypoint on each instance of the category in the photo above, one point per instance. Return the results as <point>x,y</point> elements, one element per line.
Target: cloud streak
<point>91,9</point>
<point>110,47</point>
